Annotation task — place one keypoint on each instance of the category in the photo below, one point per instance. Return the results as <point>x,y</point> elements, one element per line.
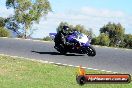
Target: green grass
<point>19,73</point>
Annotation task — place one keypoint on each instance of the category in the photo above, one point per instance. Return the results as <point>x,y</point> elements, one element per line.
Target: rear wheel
<point>60,48</point>
<point>91,51</point>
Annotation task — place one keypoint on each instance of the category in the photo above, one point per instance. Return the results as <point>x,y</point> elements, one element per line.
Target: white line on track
<point>64,64</point>
<point>71,65</point>
<point>41,61</point>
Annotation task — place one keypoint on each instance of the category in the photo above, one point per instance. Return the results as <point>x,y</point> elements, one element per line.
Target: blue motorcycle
<point>74,43</point>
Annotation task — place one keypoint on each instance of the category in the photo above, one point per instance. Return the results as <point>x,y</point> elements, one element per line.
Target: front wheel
<point>91,51</point>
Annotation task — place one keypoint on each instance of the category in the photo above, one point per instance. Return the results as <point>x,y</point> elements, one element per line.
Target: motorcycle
<point>75,43</point>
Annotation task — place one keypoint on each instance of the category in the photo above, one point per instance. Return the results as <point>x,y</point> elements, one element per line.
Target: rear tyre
<point>91,51</point>
<point>63,52</point>
<point>61,49</point>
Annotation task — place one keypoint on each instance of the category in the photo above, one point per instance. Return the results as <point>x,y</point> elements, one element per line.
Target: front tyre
<point>91,51</point>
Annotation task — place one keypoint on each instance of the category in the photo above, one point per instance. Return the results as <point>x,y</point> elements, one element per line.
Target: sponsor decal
<point>83,78</point>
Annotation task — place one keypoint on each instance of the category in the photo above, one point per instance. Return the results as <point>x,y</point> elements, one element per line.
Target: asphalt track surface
<point>110,59</point>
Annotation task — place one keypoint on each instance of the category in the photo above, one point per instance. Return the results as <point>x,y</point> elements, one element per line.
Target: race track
<point>116,60</point>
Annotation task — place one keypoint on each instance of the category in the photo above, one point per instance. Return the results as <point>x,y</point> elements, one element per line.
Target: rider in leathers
<point>60,38</point>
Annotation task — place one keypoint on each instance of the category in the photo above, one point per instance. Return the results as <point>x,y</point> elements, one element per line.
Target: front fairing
<point>82,39</point>
<point>85,44</point>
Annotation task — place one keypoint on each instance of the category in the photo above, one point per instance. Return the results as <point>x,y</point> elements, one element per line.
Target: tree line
<point>26,13</point>
<point>3,31</point>
<point>111,34</point>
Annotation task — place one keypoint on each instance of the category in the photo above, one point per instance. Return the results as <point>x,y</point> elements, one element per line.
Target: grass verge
<point>19,73</point>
